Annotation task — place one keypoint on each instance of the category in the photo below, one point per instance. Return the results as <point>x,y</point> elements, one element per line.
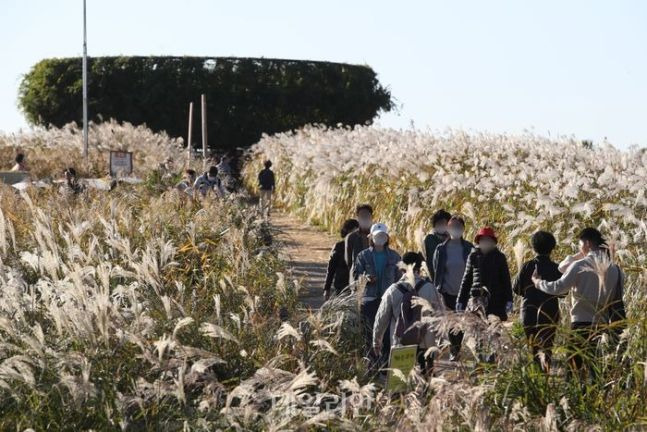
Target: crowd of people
<point>454,275</point>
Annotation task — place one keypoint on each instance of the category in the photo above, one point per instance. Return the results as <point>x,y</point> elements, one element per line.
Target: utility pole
<point>85,87</point>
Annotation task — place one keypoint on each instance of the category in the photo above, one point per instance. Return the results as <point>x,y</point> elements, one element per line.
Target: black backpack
<point>408,327</point>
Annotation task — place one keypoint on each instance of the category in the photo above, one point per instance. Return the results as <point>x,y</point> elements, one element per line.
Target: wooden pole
<point>204,130</point>
<point>190,137</point>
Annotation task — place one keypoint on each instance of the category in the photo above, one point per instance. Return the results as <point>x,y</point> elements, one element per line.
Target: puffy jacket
<point>337,274</point>
<point>487,271</point>
<point>537,307</point>
<point>365,265</point>
<point>440,259</point>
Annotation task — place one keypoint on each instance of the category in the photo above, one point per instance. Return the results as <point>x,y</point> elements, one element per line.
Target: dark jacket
<point>365,265</point>
<point>430,243</point>
<point>537,307</point>
<point>440,259</point>
<point>355,242</point>
<point>338,272</point>
<point>266,179</point>
<point>487,271</point>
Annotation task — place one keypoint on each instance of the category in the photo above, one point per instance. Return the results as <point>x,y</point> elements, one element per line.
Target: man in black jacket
<point>539,311</point>
<point>266,184</point>
<point>487,277</point>
<point>338,272</point>
<point>357,240</point>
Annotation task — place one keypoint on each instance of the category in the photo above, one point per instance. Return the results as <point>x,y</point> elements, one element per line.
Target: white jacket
<point>391,304</point>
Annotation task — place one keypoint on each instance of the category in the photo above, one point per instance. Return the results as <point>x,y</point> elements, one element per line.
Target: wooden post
<point>204,130</point>
<point>190,137</point>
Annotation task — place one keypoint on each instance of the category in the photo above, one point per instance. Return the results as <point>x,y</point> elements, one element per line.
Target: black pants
<point>368,311</point>
<point>455,338</point>
<point>426,363</point>
<point>540,339</point>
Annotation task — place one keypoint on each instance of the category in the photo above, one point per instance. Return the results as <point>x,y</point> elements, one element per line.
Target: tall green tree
<point>246,97</point>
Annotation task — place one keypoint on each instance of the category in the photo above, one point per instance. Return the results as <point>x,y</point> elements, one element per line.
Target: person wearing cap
<point>487,277</point>
<point>597,301</point>
<point>438,235</point>
<point>448,267</point>
<point>391,307</point>
<point>379,265</point>
<point>357,240</point>
<point>539,311</point>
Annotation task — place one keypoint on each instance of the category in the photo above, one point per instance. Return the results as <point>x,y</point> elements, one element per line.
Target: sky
<point>567,67</point>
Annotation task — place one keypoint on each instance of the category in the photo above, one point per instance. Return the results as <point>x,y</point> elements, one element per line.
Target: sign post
<point>121,163</point>
<point>85,87</point>
<point>402,358</point>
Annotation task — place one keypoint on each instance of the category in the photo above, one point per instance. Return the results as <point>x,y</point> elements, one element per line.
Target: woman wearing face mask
<point>449,264</point>
<point>379,264</point>
<point>357,240</point>
<point>487,277</point>
<point>437,236</point>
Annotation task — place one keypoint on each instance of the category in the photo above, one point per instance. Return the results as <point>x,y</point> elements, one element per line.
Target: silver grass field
<point>141,309</point>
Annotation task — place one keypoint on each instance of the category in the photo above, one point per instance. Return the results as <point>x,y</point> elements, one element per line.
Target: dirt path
<point>307,251</point>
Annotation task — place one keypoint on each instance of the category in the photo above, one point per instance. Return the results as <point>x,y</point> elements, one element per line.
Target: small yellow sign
<point>402,358</point>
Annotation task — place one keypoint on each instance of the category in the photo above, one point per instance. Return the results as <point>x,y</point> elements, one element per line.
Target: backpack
<point>408,327</point>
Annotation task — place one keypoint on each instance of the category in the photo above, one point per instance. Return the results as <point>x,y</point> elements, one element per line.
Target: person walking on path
<point>486,281</point>
<point>379,265</point>
<point>539,311</point>
<point>338,273</point>
<point>486,288</point>
<point>393,311</point>
<point>438,235</point>
<point>358,240</point>
<point>597,304</point>
<point>450,259</point>
<point>266,184</point>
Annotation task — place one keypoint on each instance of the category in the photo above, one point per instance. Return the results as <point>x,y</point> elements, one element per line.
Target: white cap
<point>378,228</point>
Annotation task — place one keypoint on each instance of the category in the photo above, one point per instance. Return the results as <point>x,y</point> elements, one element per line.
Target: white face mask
<point>486,245</point>
<point>455,233</point>
<point>365,223</point>
<point>380,239</point>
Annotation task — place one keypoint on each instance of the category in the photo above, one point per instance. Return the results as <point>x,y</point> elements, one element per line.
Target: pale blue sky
<point>560,67</point>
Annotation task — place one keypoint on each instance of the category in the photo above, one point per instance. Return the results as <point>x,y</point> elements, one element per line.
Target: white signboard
<point>121,163</point>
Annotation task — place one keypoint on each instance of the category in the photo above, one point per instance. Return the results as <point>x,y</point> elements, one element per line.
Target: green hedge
<point>245,96</point>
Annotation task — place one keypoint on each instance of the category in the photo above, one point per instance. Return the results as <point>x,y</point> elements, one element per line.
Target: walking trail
<point>307,250</point>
